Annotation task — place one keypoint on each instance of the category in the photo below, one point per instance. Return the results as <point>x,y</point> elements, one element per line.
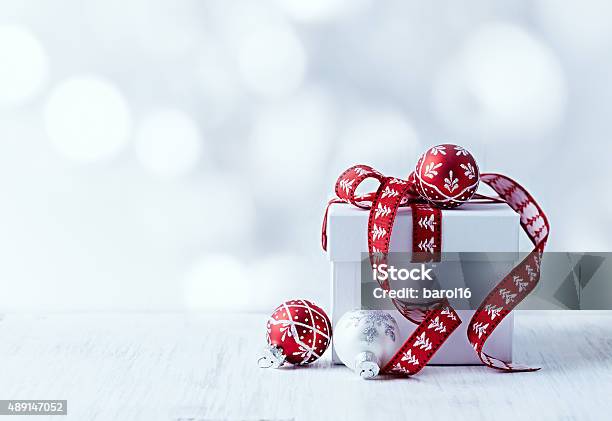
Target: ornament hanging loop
<point>273,357</point>
<point>367,365</point>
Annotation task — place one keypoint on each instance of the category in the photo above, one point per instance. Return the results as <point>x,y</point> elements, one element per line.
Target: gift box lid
<point>490,227</point>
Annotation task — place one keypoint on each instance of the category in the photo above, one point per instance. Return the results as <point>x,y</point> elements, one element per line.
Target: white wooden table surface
<point>173,367</point>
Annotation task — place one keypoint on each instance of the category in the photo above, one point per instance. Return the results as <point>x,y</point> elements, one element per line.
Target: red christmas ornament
<point>446,175</point>
<point>299,332</point>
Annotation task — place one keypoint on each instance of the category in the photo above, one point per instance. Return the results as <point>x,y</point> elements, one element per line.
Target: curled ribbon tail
<point>517,285</point>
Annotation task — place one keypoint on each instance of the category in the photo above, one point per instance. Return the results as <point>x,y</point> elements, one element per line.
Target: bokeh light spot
<point>24,67</point>
<point>321,10</point>
<point>87,119</point>
<point>168,143</point>
<point>503,84</point>
<point>289,143</point>
<point>582,27</point>
<point>382,137</point>
<point>272,60</point>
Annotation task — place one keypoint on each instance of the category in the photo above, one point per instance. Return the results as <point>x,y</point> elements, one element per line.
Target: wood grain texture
<point>171,367</point>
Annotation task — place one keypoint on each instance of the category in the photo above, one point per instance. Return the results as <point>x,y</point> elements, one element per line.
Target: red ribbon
<point>437,323</point>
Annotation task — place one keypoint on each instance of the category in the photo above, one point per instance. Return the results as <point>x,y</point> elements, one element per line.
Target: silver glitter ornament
<point>365,340</point>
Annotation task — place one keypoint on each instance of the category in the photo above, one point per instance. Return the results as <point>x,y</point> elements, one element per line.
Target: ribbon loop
<point>349,180</point>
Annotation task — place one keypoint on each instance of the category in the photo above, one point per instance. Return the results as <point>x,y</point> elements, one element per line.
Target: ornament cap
<point>271,357</point>
<point>367,365</point>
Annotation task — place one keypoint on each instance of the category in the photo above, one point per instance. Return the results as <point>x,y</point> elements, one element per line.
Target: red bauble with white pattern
<point>446,175</point>
<point>299,332</point>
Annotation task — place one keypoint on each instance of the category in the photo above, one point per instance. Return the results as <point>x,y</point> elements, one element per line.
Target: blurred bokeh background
<point>172,155</point>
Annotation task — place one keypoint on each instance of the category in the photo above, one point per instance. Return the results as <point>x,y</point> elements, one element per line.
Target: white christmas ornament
<point>365,340</point>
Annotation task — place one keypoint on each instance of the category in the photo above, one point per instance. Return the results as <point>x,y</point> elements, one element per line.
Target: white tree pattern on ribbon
<point>438,149</point>
<point>537,259</point>
<point>532,274</point>
<point>378,232</point>
<point>446,312</point>
<point>423,342</point>
<point>437,325</point>
<point>451,183</point>
<point>520,284</point>
<point>470,172</point>
<point>480,328</point>
<point>389,192</point>
<point>493,311</point>
<point>397,181</point>
<point>377,255</point>
<point>381,210</point>
<point>411,359</point>
<point>427,222</point>
<point>400,368</point>
<point>346,184</point>
<point>430,169</point>
<point>427,245</point>
<point>508,296</point>
<point>361,171</point>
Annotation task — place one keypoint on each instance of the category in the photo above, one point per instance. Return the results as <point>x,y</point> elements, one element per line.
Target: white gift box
<point>471,228</point>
